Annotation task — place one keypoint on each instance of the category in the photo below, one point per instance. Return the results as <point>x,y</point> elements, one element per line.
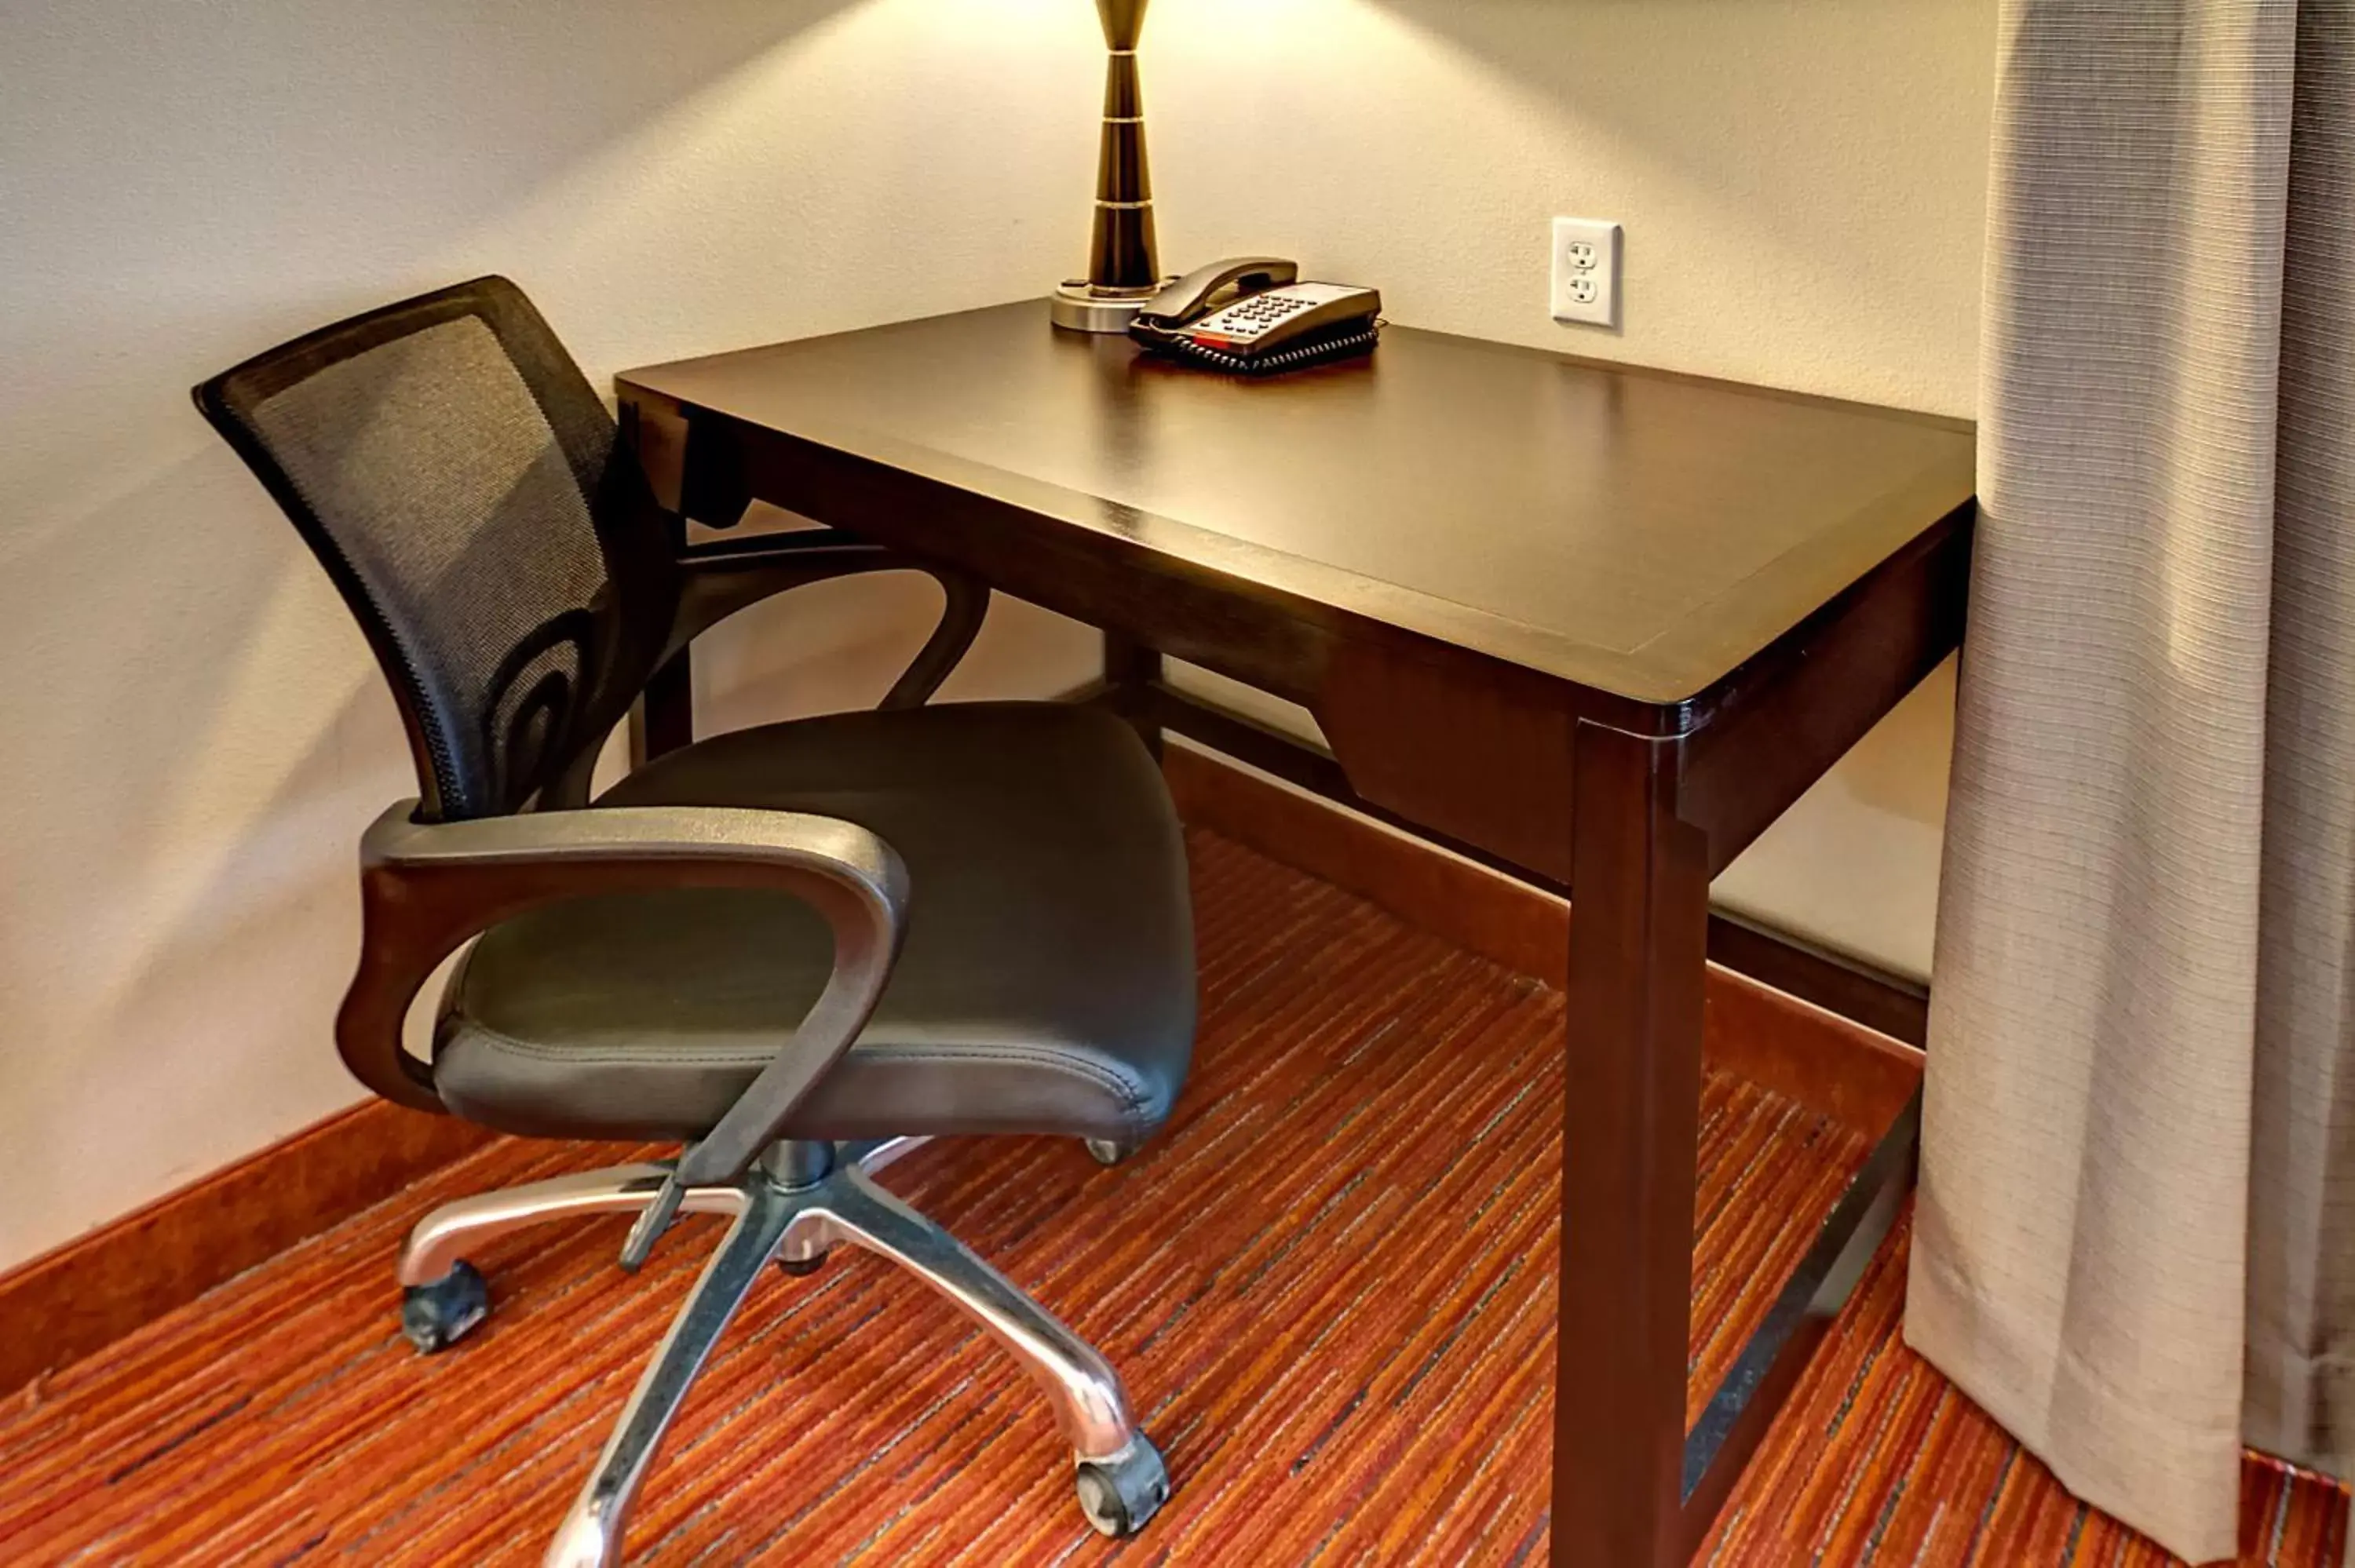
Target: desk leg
<point>663,719</point>
<point>1131,672</point>
<point>1638,944</point>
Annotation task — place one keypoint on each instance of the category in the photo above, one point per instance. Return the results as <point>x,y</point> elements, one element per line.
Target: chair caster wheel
<point>1121,1494</point>
<point>437,1316</point>
<point>802,1268</point>
<point>1107,1152</point>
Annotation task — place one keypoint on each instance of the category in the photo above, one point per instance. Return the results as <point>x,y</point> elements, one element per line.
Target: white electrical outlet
<point>1586,263</point>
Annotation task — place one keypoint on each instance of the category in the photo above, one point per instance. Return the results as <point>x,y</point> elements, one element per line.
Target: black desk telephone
<point>1251,314</point>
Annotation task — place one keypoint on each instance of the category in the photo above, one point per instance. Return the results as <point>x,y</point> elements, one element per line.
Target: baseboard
<point>1852,1073</point>
<point>68,1302</point>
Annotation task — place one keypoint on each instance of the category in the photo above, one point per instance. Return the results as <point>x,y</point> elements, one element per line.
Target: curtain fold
<point>2300,1397</point>
<point>2136,1233</point>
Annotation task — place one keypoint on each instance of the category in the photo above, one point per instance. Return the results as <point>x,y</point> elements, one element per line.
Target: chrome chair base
<point>802,1201</point>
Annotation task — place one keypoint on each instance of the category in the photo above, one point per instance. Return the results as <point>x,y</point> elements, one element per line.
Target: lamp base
<point>1077,305</point>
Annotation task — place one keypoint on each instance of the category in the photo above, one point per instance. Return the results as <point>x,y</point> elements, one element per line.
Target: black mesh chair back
<point>464,486</point>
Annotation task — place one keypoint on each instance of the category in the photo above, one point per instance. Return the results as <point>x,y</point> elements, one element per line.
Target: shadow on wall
<point>462,108</point>
<point>189,739</point>
<point>195,729</point>
<point>209,180</point>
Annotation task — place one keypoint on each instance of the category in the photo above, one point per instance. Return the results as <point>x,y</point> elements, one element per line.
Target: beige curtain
<point>2136,1233</point>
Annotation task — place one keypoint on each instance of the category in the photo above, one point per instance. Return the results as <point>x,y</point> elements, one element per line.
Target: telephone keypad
<point>1259,321</point>
<point>1248,318</point>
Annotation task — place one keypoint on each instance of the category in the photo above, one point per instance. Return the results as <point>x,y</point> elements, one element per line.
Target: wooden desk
<point>1595,625</point>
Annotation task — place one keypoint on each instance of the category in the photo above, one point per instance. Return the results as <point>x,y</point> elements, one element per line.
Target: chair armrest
<point>425,888</point>
<point>722,577</point>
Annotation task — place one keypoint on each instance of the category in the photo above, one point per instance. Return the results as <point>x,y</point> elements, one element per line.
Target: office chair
<point>796,950</point>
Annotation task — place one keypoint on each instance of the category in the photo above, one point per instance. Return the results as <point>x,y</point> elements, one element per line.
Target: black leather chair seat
<point>1046,985</point>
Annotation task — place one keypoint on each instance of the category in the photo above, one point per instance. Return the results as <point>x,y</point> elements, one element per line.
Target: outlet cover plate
<point>1585,271</point>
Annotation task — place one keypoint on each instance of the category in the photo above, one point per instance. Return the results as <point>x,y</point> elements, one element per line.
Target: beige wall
<point>1803,181</point>
<point>195,732</point>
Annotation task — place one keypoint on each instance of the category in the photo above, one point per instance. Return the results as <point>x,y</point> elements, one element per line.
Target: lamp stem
<point>1123,260</point>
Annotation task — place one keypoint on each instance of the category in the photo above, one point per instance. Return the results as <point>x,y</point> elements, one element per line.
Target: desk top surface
<point>1633,531</point>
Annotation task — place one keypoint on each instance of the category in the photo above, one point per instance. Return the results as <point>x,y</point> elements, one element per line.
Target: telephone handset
<point>1251,314</point>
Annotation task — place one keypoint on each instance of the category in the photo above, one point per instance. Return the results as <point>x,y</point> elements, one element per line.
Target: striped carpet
<point>1330,1283</point>
<point>1878,1459</point>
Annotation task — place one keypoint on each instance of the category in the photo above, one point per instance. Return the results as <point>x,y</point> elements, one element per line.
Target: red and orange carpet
<point>1329,1285</point>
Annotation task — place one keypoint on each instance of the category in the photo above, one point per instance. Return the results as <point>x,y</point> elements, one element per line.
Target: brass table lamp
<point>1124,263</point>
